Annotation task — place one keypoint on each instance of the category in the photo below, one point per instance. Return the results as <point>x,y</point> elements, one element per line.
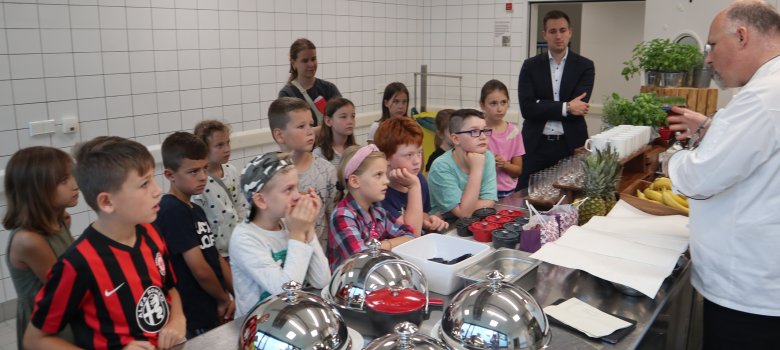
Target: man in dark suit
<point>553,91</point>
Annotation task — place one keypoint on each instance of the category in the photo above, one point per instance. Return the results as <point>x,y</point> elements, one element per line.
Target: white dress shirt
<point>554,127</point>
<point>735,227</point>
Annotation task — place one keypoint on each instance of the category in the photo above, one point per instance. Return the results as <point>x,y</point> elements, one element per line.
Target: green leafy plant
<point>662,55</point>
<point>642,109</point>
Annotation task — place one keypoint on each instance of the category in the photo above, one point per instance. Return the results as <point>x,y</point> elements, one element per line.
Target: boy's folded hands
<point>301,217</point>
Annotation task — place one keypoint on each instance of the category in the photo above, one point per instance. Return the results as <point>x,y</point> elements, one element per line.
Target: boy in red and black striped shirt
<point>114,285</point>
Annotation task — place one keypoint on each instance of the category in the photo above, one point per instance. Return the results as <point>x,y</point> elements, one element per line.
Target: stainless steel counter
<point>662,322</point>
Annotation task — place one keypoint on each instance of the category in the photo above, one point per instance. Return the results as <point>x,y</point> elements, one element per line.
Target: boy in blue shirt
<point>204,279</point>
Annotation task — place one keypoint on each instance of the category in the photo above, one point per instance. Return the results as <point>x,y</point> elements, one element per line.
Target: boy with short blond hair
<point>115,284</point>
<point>204,279</point>
<point>292,126</point>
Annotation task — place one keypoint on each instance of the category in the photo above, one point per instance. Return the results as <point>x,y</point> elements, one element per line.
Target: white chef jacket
<point>735,231</point>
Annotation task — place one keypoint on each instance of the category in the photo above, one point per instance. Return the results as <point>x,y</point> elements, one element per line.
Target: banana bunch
<point>661,192</point>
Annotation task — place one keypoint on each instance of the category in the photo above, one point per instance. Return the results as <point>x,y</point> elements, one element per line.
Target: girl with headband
<point>359,217</point>
<point>278,242</point>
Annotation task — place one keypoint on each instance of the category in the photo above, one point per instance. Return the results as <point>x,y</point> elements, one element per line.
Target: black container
<point>482,213</point>
<point>513,226</point>
<point>462,226</point>
<point>522,220</point>
<point>503,238</point>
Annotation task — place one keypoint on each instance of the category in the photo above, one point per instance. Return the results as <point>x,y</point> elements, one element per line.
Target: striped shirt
<point>109,293</point>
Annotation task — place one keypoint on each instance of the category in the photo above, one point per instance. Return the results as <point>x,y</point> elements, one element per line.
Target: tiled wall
<point>460,40</point>
<point>145,68</point>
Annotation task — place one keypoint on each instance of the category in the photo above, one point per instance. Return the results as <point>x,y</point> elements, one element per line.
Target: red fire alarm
<point>509,6</point>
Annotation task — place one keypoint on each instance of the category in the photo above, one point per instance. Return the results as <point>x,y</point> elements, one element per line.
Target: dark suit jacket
<point>537,105</point>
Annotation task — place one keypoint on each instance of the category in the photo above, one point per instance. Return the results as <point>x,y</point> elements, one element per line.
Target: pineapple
<point>601,179</point>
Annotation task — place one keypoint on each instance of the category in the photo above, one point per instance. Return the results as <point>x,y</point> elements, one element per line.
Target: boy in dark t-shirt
<point>204,279</point>
<point>114,285</point>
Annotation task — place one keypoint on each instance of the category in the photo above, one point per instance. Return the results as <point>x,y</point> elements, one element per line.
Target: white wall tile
<point>23,41</point>
<point>113,40</point>
<point>231,76</point>
<point>91,129</point>
<point>189,59</point>
<point>115,62</point>
<point>8,142</point>
<point>167,81</point>
<point>27,91</point>
<point>231,95</point>
<point>90,86</point>
<point>10,291</point>
<point>212,97</point>
<point>209,59</point>
<point>112,17</point>
<point>190,118</point>
<point>26,66</point>
<point>61,140</point>
<point>119,106</point>
<point>143,83</point>
<point>208,19</point>
<point>191,99</point>
<point>8,116</point>
<point>92,109</point>
<point>208,39</point>
<point>21,15</point>
<point>168,101</point>
<point>86,40</point>
<point>54,16</point>
<point>117,84</point>
<point>164,39</point>
<point>186,19</point>
<point>145,125</point>
<point>123,127</point>
<point>170,122</point>
<point>229,58</point>
<point>84,17</point>
<point>140,39</point>
<point>55,40</point>
<point>60,88</point>
<point>141,61</point>
<point>139,18</point>
<point>144,104</point>
<point>88,63</point>
<point>189,79</point>
<point>25,140</point>
<point>163,18</point>
<point>210,78</point>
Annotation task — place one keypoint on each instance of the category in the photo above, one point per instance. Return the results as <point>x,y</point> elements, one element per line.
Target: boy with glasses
<point>464,178</point>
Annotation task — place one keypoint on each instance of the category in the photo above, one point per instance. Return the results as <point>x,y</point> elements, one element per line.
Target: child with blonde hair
<point>359,217</point>
<point>222,200</point>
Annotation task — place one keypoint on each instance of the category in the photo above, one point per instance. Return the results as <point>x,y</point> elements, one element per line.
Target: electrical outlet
<point>42,127</point>
<point>70,125</point>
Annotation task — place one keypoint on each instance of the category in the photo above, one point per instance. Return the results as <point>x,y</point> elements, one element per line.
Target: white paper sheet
<point>646,278</point>
<point>585,318</point>
<point>595,242</point>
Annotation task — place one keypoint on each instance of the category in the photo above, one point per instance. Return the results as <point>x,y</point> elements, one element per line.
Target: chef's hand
<point>685,122</point>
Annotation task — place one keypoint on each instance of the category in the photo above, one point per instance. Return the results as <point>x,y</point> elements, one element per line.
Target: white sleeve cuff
<point>563,111</point>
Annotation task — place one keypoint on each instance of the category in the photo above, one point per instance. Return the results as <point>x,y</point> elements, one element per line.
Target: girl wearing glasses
<point>506,142</point>
<point>464,178</point>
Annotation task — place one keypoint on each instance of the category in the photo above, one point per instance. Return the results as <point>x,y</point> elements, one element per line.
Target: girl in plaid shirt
<point>359,216</point>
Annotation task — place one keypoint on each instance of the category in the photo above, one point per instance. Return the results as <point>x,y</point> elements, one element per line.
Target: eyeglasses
<point>476,132</point>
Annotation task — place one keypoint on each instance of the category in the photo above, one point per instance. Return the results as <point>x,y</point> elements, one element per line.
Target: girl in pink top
<point>506,142</point>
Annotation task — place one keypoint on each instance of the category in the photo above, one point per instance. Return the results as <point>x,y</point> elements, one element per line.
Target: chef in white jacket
<point>732,175</point>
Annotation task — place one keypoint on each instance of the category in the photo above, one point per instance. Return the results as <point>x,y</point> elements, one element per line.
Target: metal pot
<point>294,320</point>
<point>347,282</point>
<point>405,337</point>
<point>500,219</point>
<point>494,314</point>
<point>402,300</point>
